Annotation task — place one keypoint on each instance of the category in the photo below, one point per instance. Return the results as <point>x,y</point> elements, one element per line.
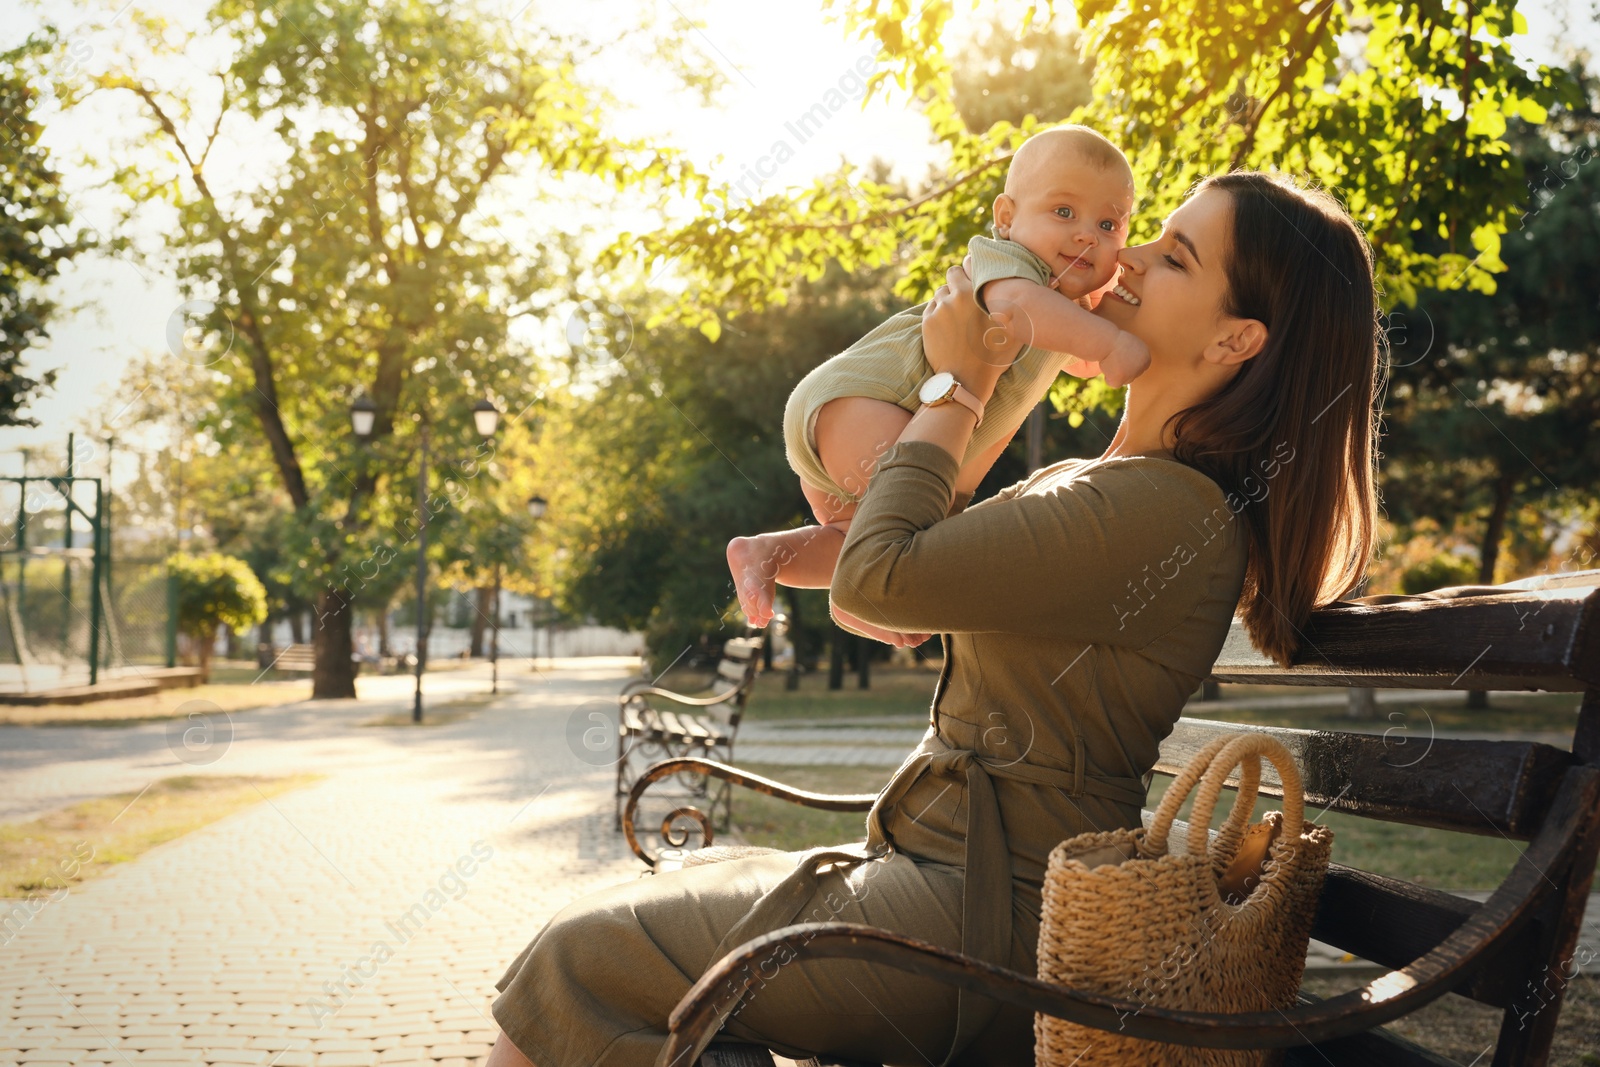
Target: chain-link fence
<point>46,610</point>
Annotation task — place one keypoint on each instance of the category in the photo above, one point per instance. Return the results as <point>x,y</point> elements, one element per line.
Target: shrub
<point>1444,569</point>
<point>214,591</point>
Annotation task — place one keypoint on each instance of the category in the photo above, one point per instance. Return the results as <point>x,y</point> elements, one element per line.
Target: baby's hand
<point>1129,358</point>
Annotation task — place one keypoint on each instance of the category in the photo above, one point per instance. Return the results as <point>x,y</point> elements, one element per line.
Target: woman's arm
<point>1062,563</point>
<point>1118,556</point>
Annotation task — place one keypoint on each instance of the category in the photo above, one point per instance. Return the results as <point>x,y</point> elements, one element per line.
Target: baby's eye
<point>1109,225</point>
<point>1064,212</point>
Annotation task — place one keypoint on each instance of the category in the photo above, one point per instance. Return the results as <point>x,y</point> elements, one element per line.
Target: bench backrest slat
<point>741,659</point>
<point>1477,787</point>
<point>1522,639</point>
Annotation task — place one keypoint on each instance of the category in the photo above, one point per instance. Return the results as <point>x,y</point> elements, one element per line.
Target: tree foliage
<point>680,448</point>
<point>1398,107</point>
<point>364,253</point>
<point>1494,400</point>
<point>37,237</point>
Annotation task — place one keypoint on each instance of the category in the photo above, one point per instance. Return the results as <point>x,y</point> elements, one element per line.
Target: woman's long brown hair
<point>1304,269</point>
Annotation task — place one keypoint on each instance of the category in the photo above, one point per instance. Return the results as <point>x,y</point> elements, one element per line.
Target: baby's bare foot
<point>755,577</point>
<point>879,633</point>
<point>1129,358</point>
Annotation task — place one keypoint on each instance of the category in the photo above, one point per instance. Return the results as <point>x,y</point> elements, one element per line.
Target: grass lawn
<point>167,704</point>
<point>61,849</point>
<point>1430,857</point>
<point>1465,1030</point>
<point>894,693</point>
<point>1521,712</point>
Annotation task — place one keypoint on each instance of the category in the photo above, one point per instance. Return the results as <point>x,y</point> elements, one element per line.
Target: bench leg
<point>1529,1025</point>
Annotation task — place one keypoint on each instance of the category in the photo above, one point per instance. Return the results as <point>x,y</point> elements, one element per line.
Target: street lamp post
<point>363,416</point>
<point>537,506</point>
<point>494,638</point>
<point>423,622</point>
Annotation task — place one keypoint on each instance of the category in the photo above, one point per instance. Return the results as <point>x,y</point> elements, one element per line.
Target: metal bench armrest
<point>696,702</point>
<point>666,768</point>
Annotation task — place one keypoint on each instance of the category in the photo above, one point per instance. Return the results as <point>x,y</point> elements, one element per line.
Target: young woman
<point>1079,610</point>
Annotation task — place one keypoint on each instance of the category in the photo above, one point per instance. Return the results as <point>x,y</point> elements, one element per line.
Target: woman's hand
<point>960,338</point>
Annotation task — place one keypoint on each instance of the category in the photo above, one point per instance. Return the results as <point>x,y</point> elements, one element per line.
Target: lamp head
<point>363,413</point>
<point>486,417</point>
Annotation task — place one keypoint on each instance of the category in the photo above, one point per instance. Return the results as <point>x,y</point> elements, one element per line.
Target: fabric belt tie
<point>986,895</point>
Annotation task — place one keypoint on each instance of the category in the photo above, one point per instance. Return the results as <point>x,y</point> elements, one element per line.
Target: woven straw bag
<point>1125,917</point>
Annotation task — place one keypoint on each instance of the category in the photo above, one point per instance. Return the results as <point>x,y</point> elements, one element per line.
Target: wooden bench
<point>300,658</point>
<point>1514,952</point>
<point>647,732</point>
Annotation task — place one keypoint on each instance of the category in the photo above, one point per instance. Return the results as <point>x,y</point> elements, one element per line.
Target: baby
<point>1060,223</point>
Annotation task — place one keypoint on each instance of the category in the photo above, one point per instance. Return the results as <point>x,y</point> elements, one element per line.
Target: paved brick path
<point>358,922</point>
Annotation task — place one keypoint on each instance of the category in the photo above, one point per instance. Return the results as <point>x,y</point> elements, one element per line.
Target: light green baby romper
<point>888,364</point>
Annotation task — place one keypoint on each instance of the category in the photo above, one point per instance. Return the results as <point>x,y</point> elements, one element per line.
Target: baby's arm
<point>1049,320</point>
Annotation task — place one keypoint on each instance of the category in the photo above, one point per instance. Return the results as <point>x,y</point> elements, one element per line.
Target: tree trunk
<point>1361,703</point>
<point>1489,555</point>
<point>383,631</point>
<point>297,630</point>
<point>1035,427</point>
<point>203,644</point>
<point>863,649</point>
<point>836,658</point>
<point>233,644</point>
<point>333,676</point>
<point>483,597</point>
<point>1494,532</point>
<point>792,682</point>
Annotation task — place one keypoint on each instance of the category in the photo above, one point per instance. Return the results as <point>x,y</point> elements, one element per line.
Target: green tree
<point>215,591</point>
<point>371,259</point>
<point>1398,107</point>
<point>1005,75</point>
<point>37,237</point>
<point>1495,398</point>
<point>1437,572</point>
<point>679,448</point>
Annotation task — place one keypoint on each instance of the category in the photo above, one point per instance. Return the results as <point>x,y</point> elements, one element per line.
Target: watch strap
<point>968,399</point>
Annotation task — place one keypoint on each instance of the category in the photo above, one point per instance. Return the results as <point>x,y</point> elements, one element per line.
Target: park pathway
<point>361,921</point>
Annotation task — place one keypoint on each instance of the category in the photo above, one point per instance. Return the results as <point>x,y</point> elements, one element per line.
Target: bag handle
<point>1241,748</point>
<point>1154,842</point>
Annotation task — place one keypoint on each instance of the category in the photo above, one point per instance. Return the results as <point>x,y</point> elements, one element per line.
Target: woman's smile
<point>1123,293</point>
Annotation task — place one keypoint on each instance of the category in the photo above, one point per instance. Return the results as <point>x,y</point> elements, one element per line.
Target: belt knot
<point>951,763</point>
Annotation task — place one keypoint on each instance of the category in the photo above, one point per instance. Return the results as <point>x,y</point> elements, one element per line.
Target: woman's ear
<point>1004,210</point>
<point>1243,339</point>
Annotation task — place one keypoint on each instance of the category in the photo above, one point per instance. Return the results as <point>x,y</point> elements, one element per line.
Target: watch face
<point>936,387</point>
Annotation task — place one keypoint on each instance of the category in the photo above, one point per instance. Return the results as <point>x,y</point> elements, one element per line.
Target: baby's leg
<point>802,558</point>
<point>852,434</point>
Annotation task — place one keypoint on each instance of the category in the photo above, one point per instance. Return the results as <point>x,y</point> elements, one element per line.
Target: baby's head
<point>1068,196</point>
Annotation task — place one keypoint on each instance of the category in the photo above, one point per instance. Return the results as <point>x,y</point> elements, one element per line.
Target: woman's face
<point>1171,290</point>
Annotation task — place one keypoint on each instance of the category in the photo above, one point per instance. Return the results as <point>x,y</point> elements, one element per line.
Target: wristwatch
<point>942,388</point>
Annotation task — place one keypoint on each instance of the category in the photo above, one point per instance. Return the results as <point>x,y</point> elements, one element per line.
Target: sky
<point>777,59</point>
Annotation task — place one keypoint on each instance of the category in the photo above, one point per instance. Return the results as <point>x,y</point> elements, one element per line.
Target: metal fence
<point>45,616</point>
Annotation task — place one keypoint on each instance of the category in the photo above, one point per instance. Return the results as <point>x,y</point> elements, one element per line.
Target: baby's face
<point>1076,220</point>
